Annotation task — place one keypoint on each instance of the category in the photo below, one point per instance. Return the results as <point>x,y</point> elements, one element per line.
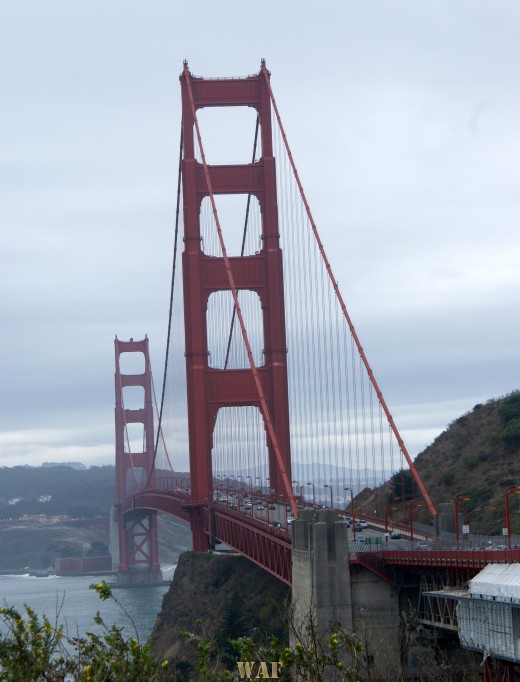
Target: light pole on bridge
<point>313,493</point>
<point>391,507</point>
<point>509,491</point>
<point>500,507</point>
<point>413,505</point>
<point>352,511</point>
<point>456,510</point>
<point>327,485</point>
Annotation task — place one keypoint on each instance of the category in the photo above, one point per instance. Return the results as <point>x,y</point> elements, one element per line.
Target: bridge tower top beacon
<point>211,389</point>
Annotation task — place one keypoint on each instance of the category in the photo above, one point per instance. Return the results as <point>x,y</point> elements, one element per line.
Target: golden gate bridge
<point>267,393</point>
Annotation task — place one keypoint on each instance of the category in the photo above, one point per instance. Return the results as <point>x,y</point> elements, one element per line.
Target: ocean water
<point>69,601</point>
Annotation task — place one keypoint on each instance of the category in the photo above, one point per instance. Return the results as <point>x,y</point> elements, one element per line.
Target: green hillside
<point>478,455</point>
<point>73,492</point>
<point>65,491</point>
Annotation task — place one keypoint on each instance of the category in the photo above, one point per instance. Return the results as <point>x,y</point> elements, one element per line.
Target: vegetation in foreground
<point>33,648</point>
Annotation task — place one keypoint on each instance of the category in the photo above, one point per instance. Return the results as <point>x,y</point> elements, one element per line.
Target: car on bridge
<point>395,535</point>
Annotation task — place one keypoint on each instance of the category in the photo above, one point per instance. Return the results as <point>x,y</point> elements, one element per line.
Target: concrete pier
<point>326,587</point>
<point>143,578</point>
<point>320,570</point>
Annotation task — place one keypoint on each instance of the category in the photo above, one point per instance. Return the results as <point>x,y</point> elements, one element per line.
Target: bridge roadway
<point>263,536</point>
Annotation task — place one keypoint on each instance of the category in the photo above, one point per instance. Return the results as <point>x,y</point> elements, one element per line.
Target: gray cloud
<point>403,119</point>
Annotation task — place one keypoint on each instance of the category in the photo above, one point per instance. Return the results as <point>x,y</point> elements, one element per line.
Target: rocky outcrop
<point>218,595</point>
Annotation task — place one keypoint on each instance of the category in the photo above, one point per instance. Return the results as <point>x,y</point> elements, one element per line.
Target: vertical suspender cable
<point>368,368</point>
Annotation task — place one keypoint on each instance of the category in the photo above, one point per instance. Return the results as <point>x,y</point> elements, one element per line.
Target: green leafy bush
<point>32,648</point>
<point>510,408</point>
<point>511,434</point>
<point>309,660</point>
<point>470,461</point>
<point>448,477</point>
<point>401,486</point>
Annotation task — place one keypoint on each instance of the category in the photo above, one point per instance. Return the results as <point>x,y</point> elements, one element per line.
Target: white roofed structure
<point>489,616</point>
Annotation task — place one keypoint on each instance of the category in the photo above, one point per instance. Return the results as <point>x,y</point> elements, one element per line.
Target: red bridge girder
<point>271,552</point>
<point>159,501</point>
<point>269,549</point>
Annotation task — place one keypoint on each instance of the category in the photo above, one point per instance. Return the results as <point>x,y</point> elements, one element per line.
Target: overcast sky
<point>404,120</point>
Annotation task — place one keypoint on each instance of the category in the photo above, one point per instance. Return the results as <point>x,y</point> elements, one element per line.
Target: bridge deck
<point>269,546</point>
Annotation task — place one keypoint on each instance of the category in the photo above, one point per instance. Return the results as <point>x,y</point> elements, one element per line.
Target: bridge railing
<point>450,558</point>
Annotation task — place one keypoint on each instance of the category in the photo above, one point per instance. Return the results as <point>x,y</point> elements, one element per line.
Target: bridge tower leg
<point>137,545</point>
<point>210,389</point>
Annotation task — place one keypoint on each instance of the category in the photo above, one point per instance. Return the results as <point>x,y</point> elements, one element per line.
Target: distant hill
<point>65,490</point>
<point>478,455</point>
<point>62,489</point>
<point>72,465</point>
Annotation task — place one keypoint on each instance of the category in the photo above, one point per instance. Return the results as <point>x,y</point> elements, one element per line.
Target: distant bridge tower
<point>211,389</point>
<point>137,530</point>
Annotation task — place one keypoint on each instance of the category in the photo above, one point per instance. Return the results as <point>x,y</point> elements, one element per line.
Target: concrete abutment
<point>328,588</point>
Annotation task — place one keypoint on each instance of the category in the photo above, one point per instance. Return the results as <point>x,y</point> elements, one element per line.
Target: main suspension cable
<point>170,314</point>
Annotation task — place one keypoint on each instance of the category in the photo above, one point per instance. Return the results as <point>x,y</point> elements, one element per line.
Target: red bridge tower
<point>210,389</point>
<point>137,530</point>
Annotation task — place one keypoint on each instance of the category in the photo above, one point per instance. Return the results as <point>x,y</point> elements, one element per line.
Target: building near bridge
<point>486,617</point>
<point>489,615</point>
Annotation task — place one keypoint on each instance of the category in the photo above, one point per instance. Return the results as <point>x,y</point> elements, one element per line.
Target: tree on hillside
<point>510,408</point>
<point>511,434</point>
